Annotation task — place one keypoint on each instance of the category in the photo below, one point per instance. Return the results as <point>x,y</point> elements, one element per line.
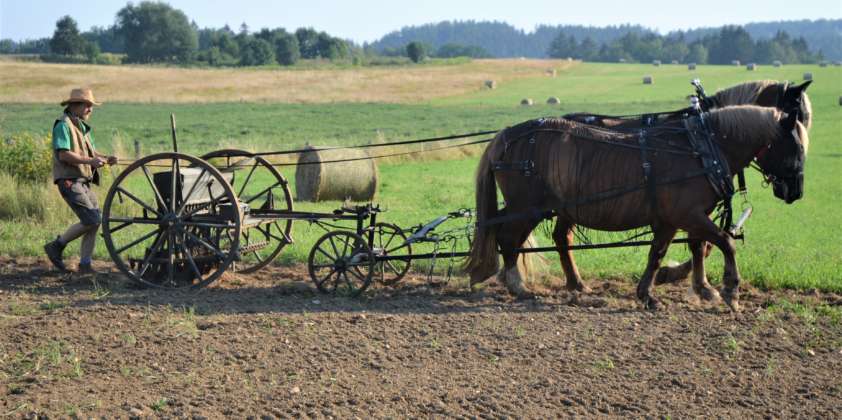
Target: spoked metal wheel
<point>390,241</point>
<point>341,263</point>
<point>171,220</point>
<point>259,185</point>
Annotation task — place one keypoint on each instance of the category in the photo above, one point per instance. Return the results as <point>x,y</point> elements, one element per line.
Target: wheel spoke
<point>155,247</point>
<point>138,201</point>
<point>321,282</point>
<point>267,189</point>
<point>133,220</point>
<point>248,178</point>
<point>171,257</point>
<point>330,257</point>
<point>158,197</point>
<point>137,241</point>
<point>193,265</point>
<point>175,173</point>
<point>207,246</point>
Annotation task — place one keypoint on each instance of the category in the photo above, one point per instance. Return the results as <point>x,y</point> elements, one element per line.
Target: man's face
<point>81,110</point>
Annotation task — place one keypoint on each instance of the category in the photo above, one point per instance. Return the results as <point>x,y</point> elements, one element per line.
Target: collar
<point>80,123</point>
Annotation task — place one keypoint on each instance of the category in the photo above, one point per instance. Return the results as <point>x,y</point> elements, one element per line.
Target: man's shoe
<point>85,270</point>
<point>54,251</point>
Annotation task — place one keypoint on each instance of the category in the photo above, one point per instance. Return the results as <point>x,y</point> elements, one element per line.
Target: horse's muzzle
<point>790,189</point>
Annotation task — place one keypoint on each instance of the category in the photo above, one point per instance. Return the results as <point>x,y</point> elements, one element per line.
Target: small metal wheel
<point>177,227</point>
<point>258,184</point>
<point>390,241</point>
<point>341,263</point>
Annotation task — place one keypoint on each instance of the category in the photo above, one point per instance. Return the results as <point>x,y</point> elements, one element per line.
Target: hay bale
<point>823,64</point>
<point>622,60</point>
<point>318,179</point>
<point>647,80</point>
<point>751,67</point>
<point>691,66</point>
<point>735,62</point>
<point>656,63</point>
<point>837,63</point>
<point>491,84</point>
<point>551,72</point>
<point>808,76</point>
<point>777,63</point>
<point>675,62</point>
<point>526,102</point>
<point>552,100</point>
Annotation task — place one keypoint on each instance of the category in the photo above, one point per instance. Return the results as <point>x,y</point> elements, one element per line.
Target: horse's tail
<point>483,262</point>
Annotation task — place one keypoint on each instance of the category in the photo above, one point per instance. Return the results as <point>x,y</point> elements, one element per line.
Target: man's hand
<point>112,160</point>
<point>96,162</point>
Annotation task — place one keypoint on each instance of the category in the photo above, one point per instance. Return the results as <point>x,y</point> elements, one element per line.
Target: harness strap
<point>648,176</point>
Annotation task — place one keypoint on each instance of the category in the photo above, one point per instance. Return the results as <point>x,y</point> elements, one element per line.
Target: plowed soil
<point>269,346</point>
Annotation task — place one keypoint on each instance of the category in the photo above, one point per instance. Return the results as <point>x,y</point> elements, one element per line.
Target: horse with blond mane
<point>580,174</point>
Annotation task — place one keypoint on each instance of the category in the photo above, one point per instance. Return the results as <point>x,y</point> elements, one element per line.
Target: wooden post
<point>136,149</point>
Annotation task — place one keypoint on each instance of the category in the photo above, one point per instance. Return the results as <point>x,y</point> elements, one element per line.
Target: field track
<point>268,346</point>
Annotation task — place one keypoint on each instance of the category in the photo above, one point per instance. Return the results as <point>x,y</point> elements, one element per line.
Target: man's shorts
<point>78,195</point>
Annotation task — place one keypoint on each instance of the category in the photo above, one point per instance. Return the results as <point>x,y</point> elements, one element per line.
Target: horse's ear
<point>802,87</point>
<point>788,122</point>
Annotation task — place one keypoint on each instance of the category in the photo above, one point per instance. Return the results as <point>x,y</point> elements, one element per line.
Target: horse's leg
<point>678,273</point>
<point>563,237</point>
<point>511,236</point>
<point>700,250</point>
<point>707,230</point>
<point>660,244</point>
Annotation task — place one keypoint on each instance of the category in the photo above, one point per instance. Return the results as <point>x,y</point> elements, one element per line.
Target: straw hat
<point>81,95</point>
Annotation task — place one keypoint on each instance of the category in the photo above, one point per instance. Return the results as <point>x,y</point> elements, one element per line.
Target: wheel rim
<point>341,263</point>
<point>389,241</point>
<point>171,243</point>
<point>260,185</point>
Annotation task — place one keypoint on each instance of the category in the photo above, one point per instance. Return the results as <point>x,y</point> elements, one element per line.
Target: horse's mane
<point>757,120</point>
<point>584,130</point>
<point>807,110</point>
<point>744,93</point>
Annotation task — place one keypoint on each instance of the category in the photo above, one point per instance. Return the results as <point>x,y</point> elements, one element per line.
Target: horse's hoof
<point>651,304</point>
<point>709,294</point>
<point>732,299</point>
<point>525,296</point>
<point>577,287</point>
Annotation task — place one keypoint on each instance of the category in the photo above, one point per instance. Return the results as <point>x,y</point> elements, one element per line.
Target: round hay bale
<point>526,102</point>
<point>735,62</point>
<point>656,63</point>
<point>751,67</point>
<point>552,100</point>
<point>622,60</point>
<point>837,63</point>
<point>777,63</point>
<point>319,179</point>
<point>823,64</point>
<point>491,84</point>
<point>647,80</point>
<point>691,66</point>
<point>675,62</point>
<point>808,76</point>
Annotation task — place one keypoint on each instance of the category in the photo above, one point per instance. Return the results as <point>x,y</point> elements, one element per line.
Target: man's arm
<point>74,158</point>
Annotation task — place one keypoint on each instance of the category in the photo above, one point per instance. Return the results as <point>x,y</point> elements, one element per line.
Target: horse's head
<point>782,161</point>
<point>792,97</point>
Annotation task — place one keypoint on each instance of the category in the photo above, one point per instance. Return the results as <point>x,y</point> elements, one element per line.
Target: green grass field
<point>787,245</point>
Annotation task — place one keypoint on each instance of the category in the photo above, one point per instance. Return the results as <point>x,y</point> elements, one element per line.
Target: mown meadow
<point>794,245</point>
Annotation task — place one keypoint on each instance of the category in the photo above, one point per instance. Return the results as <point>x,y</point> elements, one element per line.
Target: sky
<point>368,20</point>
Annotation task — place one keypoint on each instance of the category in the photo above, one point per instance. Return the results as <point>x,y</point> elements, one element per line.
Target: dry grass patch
<point>47,83</point>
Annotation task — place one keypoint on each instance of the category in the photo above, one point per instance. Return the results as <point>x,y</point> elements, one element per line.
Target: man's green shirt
<point>62,136</point>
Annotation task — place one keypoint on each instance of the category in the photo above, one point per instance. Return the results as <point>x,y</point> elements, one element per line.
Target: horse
<point>768,93</point>
<point>580,174</point>
<point>784,96</point>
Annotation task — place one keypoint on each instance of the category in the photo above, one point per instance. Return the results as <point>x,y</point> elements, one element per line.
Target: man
<point>75,167</point>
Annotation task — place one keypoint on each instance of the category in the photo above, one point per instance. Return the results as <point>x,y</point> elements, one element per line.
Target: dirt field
<point>269,346</point>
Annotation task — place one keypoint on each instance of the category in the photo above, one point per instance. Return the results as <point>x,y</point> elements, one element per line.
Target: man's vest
<point>80,143</point>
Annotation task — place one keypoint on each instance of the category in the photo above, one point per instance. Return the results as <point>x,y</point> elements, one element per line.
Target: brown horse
<point>592,177</point>
<point>784,96</point>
